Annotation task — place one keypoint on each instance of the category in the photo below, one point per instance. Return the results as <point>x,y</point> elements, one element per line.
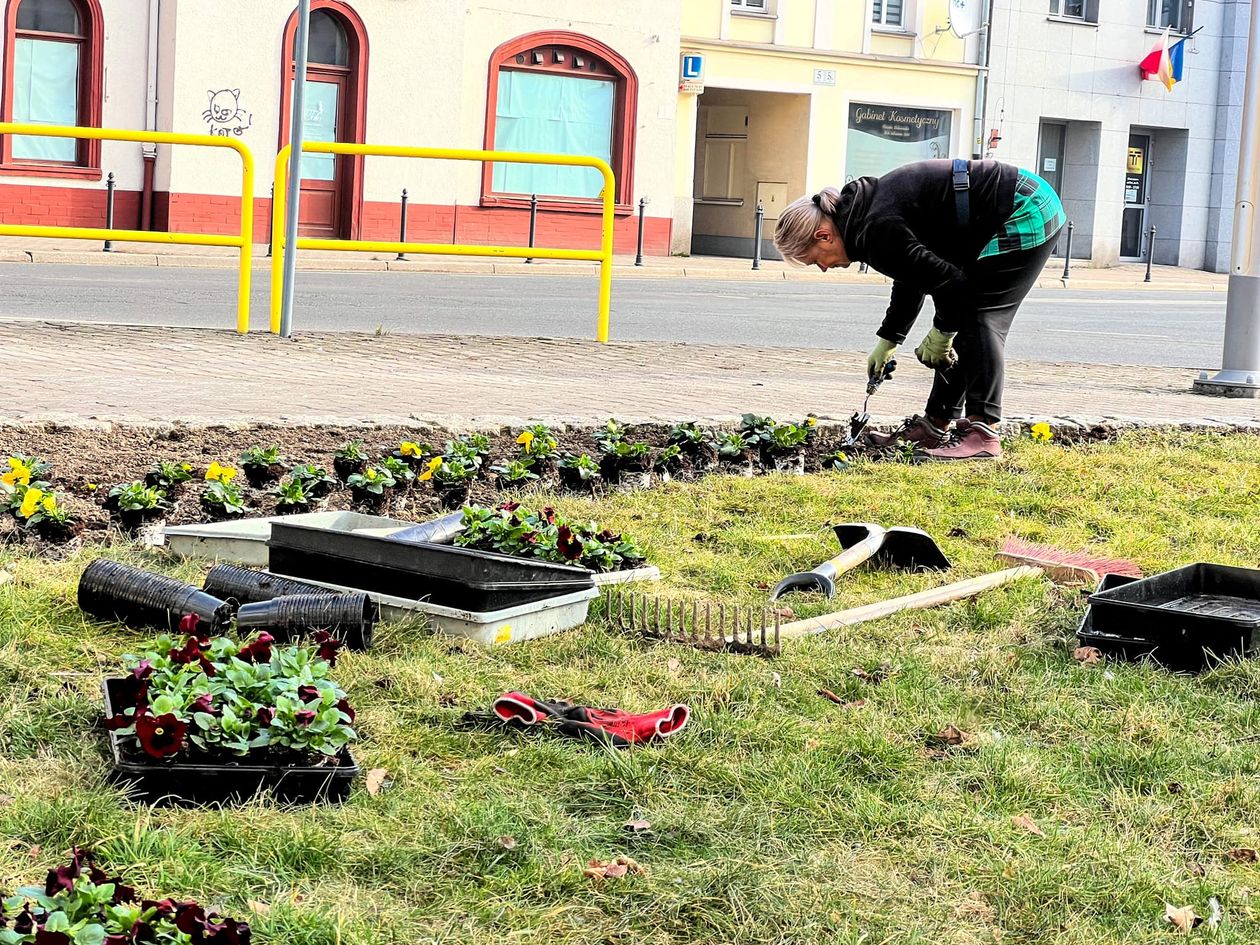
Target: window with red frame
<point>49,78</point>
<point>560,98</point>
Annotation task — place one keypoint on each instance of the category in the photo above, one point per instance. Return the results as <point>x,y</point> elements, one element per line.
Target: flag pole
<point>296,121</point>
<point>1240,361</point>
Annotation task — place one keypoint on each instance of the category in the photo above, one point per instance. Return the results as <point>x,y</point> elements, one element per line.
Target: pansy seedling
<point>220,473</point>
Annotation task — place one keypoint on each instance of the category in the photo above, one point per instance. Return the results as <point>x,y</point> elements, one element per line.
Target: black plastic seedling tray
<point>440,574</point>
<point>1187,618</point>
<point>156,781</point>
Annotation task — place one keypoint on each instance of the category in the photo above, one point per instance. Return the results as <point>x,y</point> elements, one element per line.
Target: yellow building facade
<point>782,97</point>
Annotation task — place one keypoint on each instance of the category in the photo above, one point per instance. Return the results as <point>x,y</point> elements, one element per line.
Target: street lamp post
<point>1240,361</point>
<point>295,167</point>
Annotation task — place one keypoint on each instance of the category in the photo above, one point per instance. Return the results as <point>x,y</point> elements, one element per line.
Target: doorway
<point>1050,152</point>
<point>1136,195</point>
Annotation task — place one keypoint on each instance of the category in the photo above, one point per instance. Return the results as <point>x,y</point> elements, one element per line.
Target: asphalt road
<point>1103,326</point>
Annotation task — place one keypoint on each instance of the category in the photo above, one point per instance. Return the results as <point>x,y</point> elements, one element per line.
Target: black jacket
<point>905,225</point>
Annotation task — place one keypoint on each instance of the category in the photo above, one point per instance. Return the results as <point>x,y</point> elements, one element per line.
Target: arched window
<point>561,93</point>
<point>335,109</point>
<point>52,76</point>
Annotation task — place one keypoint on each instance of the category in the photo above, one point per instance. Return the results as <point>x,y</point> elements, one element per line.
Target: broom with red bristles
<point>1066,567</point>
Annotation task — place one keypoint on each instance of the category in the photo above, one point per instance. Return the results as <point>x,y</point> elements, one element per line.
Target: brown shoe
<point>973,440</point>
<point>917,430</point>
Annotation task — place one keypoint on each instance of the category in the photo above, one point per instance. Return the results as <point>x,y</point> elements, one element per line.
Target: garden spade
<point>859,421</point>
<point>910,549</point>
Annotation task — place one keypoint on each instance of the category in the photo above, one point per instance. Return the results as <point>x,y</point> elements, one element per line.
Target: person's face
<point>828,250</point>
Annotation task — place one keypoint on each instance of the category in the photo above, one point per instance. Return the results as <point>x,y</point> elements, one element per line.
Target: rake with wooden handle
<point>710,626</point>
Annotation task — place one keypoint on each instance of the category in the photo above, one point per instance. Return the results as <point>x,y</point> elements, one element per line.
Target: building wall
<point>1043,67</point>
<point>426,86</point>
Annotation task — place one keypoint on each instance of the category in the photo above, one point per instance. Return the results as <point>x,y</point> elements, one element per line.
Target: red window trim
<point>356,117</point>
<point>91,93</point>
<point>624,121</point>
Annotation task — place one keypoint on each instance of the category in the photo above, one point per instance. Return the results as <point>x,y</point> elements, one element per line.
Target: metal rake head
<point>705,626</point>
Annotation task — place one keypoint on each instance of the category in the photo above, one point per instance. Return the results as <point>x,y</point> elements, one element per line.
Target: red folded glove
<point>612,726</point>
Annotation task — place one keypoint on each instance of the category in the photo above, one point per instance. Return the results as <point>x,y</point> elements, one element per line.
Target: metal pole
<point>109,211</point>
<point>1240,361</point>
<point>638,256</point>
<point>402,226</point>
<point>296,120</point>
<point>761,215</point>
<point>1067,253</point>
<point>1150,252</point>
<point>533,220</point>
<point>271,230</point>
<point>864,267</point>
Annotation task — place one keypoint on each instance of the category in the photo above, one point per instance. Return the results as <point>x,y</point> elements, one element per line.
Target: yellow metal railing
<point>603,255</point>
<point>244,241</point>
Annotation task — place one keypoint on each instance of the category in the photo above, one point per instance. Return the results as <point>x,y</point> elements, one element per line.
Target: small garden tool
<point>859,421</point>
<point>910,549</point>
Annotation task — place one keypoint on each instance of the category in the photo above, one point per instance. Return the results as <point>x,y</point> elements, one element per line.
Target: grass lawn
<point>777,815</point>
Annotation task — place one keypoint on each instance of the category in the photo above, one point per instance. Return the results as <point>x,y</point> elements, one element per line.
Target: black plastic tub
<point>113,591</point>
<point>348,617</point>
<point>247,586</point>
<point>154,781</point>
<point>440,574</point>
<point>1187,618</point>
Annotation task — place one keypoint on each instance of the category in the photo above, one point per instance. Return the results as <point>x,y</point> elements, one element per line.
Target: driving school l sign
<point>691,73</point>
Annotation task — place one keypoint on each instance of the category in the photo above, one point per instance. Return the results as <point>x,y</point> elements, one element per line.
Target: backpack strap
<point>962,196</point>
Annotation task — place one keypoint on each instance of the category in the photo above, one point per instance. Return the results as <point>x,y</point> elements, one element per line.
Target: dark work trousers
<point>999,284</point>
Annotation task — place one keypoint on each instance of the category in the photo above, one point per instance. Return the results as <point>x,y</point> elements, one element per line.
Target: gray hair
<point>794,233</point>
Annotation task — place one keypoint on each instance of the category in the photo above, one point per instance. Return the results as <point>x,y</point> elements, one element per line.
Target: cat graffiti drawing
<point>225,117</point>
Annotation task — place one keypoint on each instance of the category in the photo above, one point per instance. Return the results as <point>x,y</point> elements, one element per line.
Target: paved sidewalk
<point>79,373</point>
<point>81,252</point>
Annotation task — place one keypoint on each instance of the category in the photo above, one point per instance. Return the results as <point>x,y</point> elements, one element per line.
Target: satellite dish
<point>964,17</point>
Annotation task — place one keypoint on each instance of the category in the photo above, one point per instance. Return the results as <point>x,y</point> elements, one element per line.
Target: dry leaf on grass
<point>830,696</point>
<point>1087,655</point>
<point>1183,919</point>
<point>375,780</point>
<point>874,677</point>
<point>259,908</point>
<point>1027,823</point>
<point>35,851</point>
<point>787,613</point>
<point>599,870</point>
<point>952,735</point>
<point>1196,869</point>
<point>508,843</point>
<point>637,826</point>
<point>1242,855</point>
<point>673,665</point>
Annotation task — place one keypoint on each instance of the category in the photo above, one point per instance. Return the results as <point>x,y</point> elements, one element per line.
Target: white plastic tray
<point>492,627</point>
<point>245,541</point>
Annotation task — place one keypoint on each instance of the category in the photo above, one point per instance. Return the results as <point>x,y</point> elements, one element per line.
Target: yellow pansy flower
<point>811,421</point>
<point>1041,432</point>
<point>430,469</point>
<point>30,502</point>
<point>49,504</point>
<point>526,439</point>
<point>19,473</point>
<point>217,473</point>
<point>407,448</point>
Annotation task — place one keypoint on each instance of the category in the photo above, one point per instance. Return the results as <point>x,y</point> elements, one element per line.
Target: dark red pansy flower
<point>122,892</point>
<point>226,932</point>
<point>190,919</point>
<point>190,652</point>
<point>548,514</point>
<point>44,937</point>
<point>203,703</point>
<point>142,670</point>
<point>62,878</point>
<point>308,693</point>
<point>530,538</point>
<point>608,536</point>
<point>189,623</point>
<point>328,646</point>
<point>509,506</point>
<point>162,908</point>
<point>259,651</point>
<point>265,714</point>
<point>567,544</point>
<point>304,717</point>
<point>115,722</point>
<point>344,706</point>
<point>121,939</point>
<point>160,736</point>
<point>24,924</point>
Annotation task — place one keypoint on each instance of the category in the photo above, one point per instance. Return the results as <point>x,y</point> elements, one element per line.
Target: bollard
<point>761,215</point>
<point>533,220</point>
<point>109,211</point>
<point>1067,255</point>
<point>271,230</point>
<point>1150,253</point>
<point>638,256</point>
<point>402,224</point>
<point>863,268</point>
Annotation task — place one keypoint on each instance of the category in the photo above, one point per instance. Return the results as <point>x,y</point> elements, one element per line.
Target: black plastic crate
<point>158,781</point>
<point>440,574</point>
<point>1186,618</point>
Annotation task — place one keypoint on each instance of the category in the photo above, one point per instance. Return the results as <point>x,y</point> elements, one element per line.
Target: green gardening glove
<point>936,350</point>
<point>879,357</point>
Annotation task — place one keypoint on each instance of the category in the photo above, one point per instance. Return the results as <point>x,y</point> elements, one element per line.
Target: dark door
<point>1050,160</point>
<point>325,177</point>
<point>1136,174</point>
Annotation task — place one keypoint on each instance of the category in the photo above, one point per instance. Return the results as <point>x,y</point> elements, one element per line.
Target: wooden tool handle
<point>851,557</point>
<point>932,597</point>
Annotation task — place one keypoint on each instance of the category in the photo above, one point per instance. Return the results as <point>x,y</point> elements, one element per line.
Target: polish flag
<point>1158,63</point>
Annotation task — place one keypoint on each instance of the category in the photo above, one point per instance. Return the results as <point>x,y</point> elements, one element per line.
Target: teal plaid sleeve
<point>1036,218</point>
